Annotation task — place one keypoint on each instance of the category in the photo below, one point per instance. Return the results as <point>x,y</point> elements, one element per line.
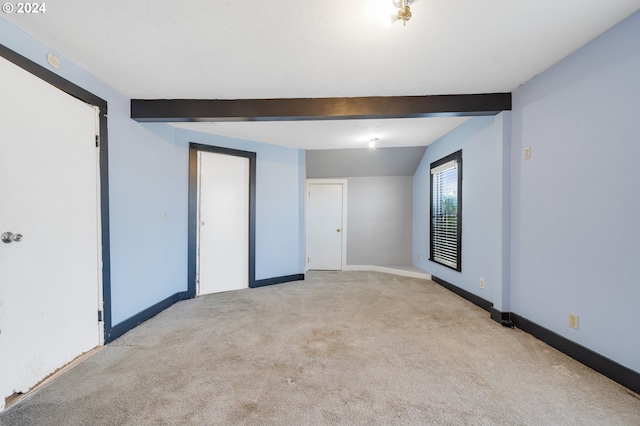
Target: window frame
<point>457,157</point>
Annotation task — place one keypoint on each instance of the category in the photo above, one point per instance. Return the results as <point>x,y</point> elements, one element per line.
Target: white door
<point>49,280</point>
<point>324,247</point>
<point>223,243</point>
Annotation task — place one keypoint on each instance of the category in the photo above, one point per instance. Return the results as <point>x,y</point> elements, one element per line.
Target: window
<point>446,211</point>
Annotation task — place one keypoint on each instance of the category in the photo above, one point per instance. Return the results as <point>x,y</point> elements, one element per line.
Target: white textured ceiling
<point>223,49</point>
<point>336,134</point>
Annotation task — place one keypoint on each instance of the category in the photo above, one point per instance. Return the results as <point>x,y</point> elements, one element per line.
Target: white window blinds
<point>445,226</point>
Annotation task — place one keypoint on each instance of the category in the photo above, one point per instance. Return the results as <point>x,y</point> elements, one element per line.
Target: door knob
<point>10,237</point>
<point>338,230</point>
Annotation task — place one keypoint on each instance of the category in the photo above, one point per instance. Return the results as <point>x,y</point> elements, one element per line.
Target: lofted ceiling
<point>223,49</point>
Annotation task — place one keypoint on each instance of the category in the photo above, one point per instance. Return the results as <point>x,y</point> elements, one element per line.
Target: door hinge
<point>99,316</point>
<point>97,141</point>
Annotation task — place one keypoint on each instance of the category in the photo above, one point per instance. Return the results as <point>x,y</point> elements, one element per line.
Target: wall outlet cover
<point>573,321</point>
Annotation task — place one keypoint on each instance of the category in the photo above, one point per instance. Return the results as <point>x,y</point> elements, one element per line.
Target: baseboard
<point>499,316</point>
<point>277,280</point>
<point>388,270</point>
<point>184,295</point>
<point>476,300</point>
<point>132,322</point>
<point>351,268</point>
<point>603,365</point>
<point>402,272</point>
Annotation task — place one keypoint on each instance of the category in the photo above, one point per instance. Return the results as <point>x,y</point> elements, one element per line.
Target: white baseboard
<point>357,268</point>
<point>388,270</point>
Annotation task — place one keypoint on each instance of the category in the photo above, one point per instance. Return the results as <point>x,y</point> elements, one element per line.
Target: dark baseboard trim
<point>277,280</point>
<point>184,295</point>
<point>499,316</point>
<point>603,365</point>
<point>130,323</point>
<point>476,300</point>
<point>616,372</point>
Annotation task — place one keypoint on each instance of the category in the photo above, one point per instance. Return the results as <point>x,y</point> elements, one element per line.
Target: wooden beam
<point>175,110</point>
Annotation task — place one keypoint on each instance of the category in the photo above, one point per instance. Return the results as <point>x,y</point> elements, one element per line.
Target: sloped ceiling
<point>330,163</point>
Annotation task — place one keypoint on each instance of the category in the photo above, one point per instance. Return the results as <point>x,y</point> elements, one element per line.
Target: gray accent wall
<point>379,220</point>
<point>331,163</point>
<point>379,199</point>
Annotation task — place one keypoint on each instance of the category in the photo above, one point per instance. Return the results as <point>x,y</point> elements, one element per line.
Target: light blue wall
<point>302,179</point>
<point>567,231</point>
<point>482,148</point>
<point>148,183</point>
<point>576,202</point>
<point>148,222</point>
<point>279,188</point>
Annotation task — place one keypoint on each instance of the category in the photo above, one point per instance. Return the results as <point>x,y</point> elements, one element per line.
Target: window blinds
<point>444,214</point>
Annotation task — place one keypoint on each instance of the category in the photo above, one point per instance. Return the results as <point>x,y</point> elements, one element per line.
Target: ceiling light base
<point>404,14</point>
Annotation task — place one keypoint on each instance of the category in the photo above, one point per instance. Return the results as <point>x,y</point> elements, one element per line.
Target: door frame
<point>102,141</point>
<point>343,227</point>
<point>192,244</point>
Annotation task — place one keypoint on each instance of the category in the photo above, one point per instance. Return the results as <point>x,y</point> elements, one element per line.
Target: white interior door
<point>49,280</point>
<point>223,243</point>
<point>324,228</point>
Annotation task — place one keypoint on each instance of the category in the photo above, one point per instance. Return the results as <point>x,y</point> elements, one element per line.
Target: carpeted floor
<point>338,348</point>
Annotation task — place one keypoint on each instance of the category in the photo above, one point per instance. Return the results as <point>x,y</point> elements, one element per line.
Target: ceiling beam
<point>176,110</point>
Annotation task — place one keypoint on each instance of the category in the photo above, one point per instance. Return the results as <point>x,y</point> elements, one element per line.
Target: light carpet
<point>337,348</point>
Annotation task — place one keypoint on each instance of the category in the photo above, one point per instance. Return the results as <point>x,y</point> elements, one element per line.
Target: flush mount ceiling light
<point>402,14</point>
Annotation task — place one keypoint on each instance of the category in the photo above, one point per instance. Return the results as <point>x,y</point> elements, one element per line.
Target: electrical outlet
<point>527,153</point>
<point>481,282</point>
<point>573,321</point>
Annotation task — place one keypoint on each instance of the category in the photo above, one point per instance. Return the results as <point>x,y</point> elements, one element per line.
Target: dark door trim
<point>91,99</point>
<point>192,265</point>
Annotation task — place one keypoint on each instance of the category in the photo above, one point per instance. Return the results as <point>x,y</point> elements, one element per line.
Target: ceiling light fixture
<point>402,14</point>
<point>373,142</point>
